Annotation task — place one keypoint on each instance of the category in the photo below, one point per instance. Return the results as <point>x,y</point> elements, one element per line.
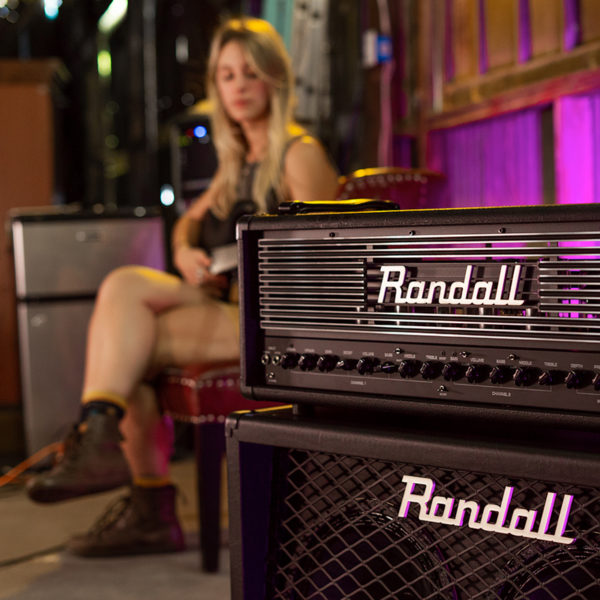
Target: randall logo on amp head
<point>401,309</point>
<point>458,293</point>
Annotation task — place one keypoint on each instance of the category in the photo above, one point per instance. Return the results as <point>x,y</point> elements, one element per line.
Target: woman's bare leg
<point>145,320</point>
<point>148,435</point>
<point>123,328</point>
<point>185,335</point>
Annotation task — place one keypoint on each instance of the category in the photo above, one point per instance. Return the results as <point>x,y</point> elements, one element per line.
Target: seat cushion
<point>203,393</point>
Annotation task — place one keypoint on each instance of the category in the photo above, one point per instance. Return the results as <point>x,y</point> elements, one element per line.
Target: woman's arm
<point>308,172</point>
<point>193,262</point>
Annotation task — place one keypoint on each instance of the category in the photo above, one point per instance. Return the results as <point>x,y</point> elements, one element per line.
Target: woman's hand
<point>193,264</point>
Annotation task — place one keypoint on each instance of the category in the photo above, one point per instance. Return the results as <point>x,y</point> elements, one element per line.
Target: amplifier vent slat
<point>530,237</point>
<point>386,320</point>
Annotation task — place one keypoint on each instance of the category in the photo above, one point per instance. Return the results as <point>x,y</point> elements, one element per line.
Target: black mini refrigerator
<point>61,255</point>
<point>331,505</point>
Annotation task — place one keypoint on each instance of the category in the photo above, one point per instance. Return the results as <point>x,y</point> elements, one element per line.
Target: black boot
<point>92,462</point>
<point>143,523</point>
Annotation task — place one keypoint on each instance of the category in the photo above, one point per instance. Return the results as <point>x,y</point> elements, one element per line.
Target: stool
<point>204,396</point>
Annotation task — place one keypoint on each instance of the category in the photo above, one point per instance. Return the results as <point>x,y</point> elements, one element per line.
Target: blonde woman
<point>145,320</point>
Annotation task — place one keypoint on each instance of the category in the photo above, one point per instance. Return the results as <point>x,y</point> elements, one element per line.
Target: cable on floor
<point>10,562</point>
<point>13,474</point>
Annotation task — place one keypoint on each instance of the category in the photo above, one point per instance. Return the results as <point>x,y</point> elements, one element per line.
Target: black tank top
<point>215,232</point>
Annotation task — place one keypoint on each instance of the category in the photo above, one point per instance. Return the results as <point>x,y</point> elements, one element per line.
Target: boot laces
<point>111,516</point>
<point>71,445</point>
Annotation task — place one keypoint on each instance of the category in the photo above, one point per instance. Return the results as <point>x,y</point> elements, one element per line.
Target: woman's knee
<point>119,282</point>
<point>133,282</point>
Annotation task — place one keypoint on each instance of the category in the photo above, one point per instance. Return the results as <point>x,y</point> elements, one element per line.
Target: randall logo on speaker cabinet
<point>419,491</point>
<point>483,293</point>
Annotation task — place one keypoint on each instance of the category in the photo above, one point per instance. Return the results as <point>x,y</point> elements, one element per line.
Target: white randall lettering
<point>522,522</point>
<point>420,499</point>
<point>500,288</point>
<point>482,293</point>
<point>521,513</point>
<point>547,513</point>
<point>561,524</point>
<point>459,285</point>
<point>514,286</point>
<point>436,502</point>
<point>440,286</point>
<point>395,285</point>
<point>501,511</point>
<point>464,505</point>
<point>419,288</point>
<point>487,287</point>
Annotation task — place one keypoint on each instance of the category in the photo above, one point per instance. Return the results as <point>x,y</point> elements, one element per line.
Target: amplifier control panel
<point>523,377</point>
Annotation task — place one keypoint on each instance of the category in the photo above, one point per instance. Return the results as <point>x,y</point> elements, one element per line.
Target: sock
<point>102,402</point>
<point>151,481</point>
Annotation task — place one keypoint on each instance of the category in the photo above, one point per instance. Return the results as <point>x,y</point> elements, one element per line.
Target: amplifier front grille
<point>338,537</point>
<point>541,286</point>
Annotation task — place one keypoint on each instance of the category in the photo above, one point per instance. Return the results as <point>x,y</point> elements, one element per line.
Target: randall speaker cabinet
<point>344,505</point>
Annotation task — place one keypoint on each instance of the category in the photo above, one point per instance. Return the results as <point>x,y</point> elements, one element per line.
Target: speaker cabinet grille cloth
<point>335,532</point>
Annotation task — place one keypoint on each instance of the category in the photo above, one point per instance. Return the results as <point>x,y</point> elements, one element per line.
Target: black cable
<point>21,559</point>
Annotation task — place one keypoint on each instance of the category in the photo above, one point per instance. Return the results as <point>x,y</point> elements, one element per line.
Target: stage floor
<point>33,565</point>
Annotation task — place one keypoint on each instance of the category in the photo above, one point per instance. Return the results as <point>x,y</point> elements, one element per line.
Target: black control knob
<point>453,371</point>
<point>366,365</point>
<point>389,367</point>
<point>551,377</point>
<point>477,373</point>
<point>327,362</point>
<point>307,362</point>
<point>346,364</point>
<point>525,376</point>
<point>596,381</point>
<point>430,369</point>
<point>500,374</point>
<point>289,360</point>
<point>576,379</point>
<point>408,368</point>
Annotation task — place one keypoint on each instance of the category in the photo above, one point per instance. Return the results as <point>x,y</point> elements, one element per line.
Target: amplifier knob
<point>366,365</point>
<point>389,367</point>
<point>551,377</point>
<point>289,360</point>
<point>597,381</point>
<point>408,368</point>
<point>346,364</point>
<point>307,362</point>
<point>576,379</point>
<point>525,376</point>
<point>477,373</point>
<point>500,375</point>
<point>327,362</point>
<point>453,371</point>
<point>430,370</point>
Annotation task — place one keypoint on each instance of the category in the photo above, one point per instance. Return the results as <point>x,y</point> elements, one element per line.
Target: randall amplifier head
<point>405,310</point>
<point>353,507</point>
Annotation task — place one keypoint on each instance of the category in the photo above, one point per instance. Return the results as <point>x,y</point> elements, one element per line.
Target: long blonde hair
<point>267,55</point>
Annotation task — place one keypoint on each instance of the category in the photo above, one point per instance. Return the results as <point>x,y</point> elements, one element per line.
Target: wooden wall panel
<point>547,22</point>
<point>26,179</point>
<point>465,38</point>
<point>501,33</point>
<point>589,11</point>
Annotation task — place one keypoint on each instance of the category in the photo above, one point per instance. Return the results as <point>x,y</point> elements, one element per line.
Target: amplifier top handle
<point>342,206</point>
